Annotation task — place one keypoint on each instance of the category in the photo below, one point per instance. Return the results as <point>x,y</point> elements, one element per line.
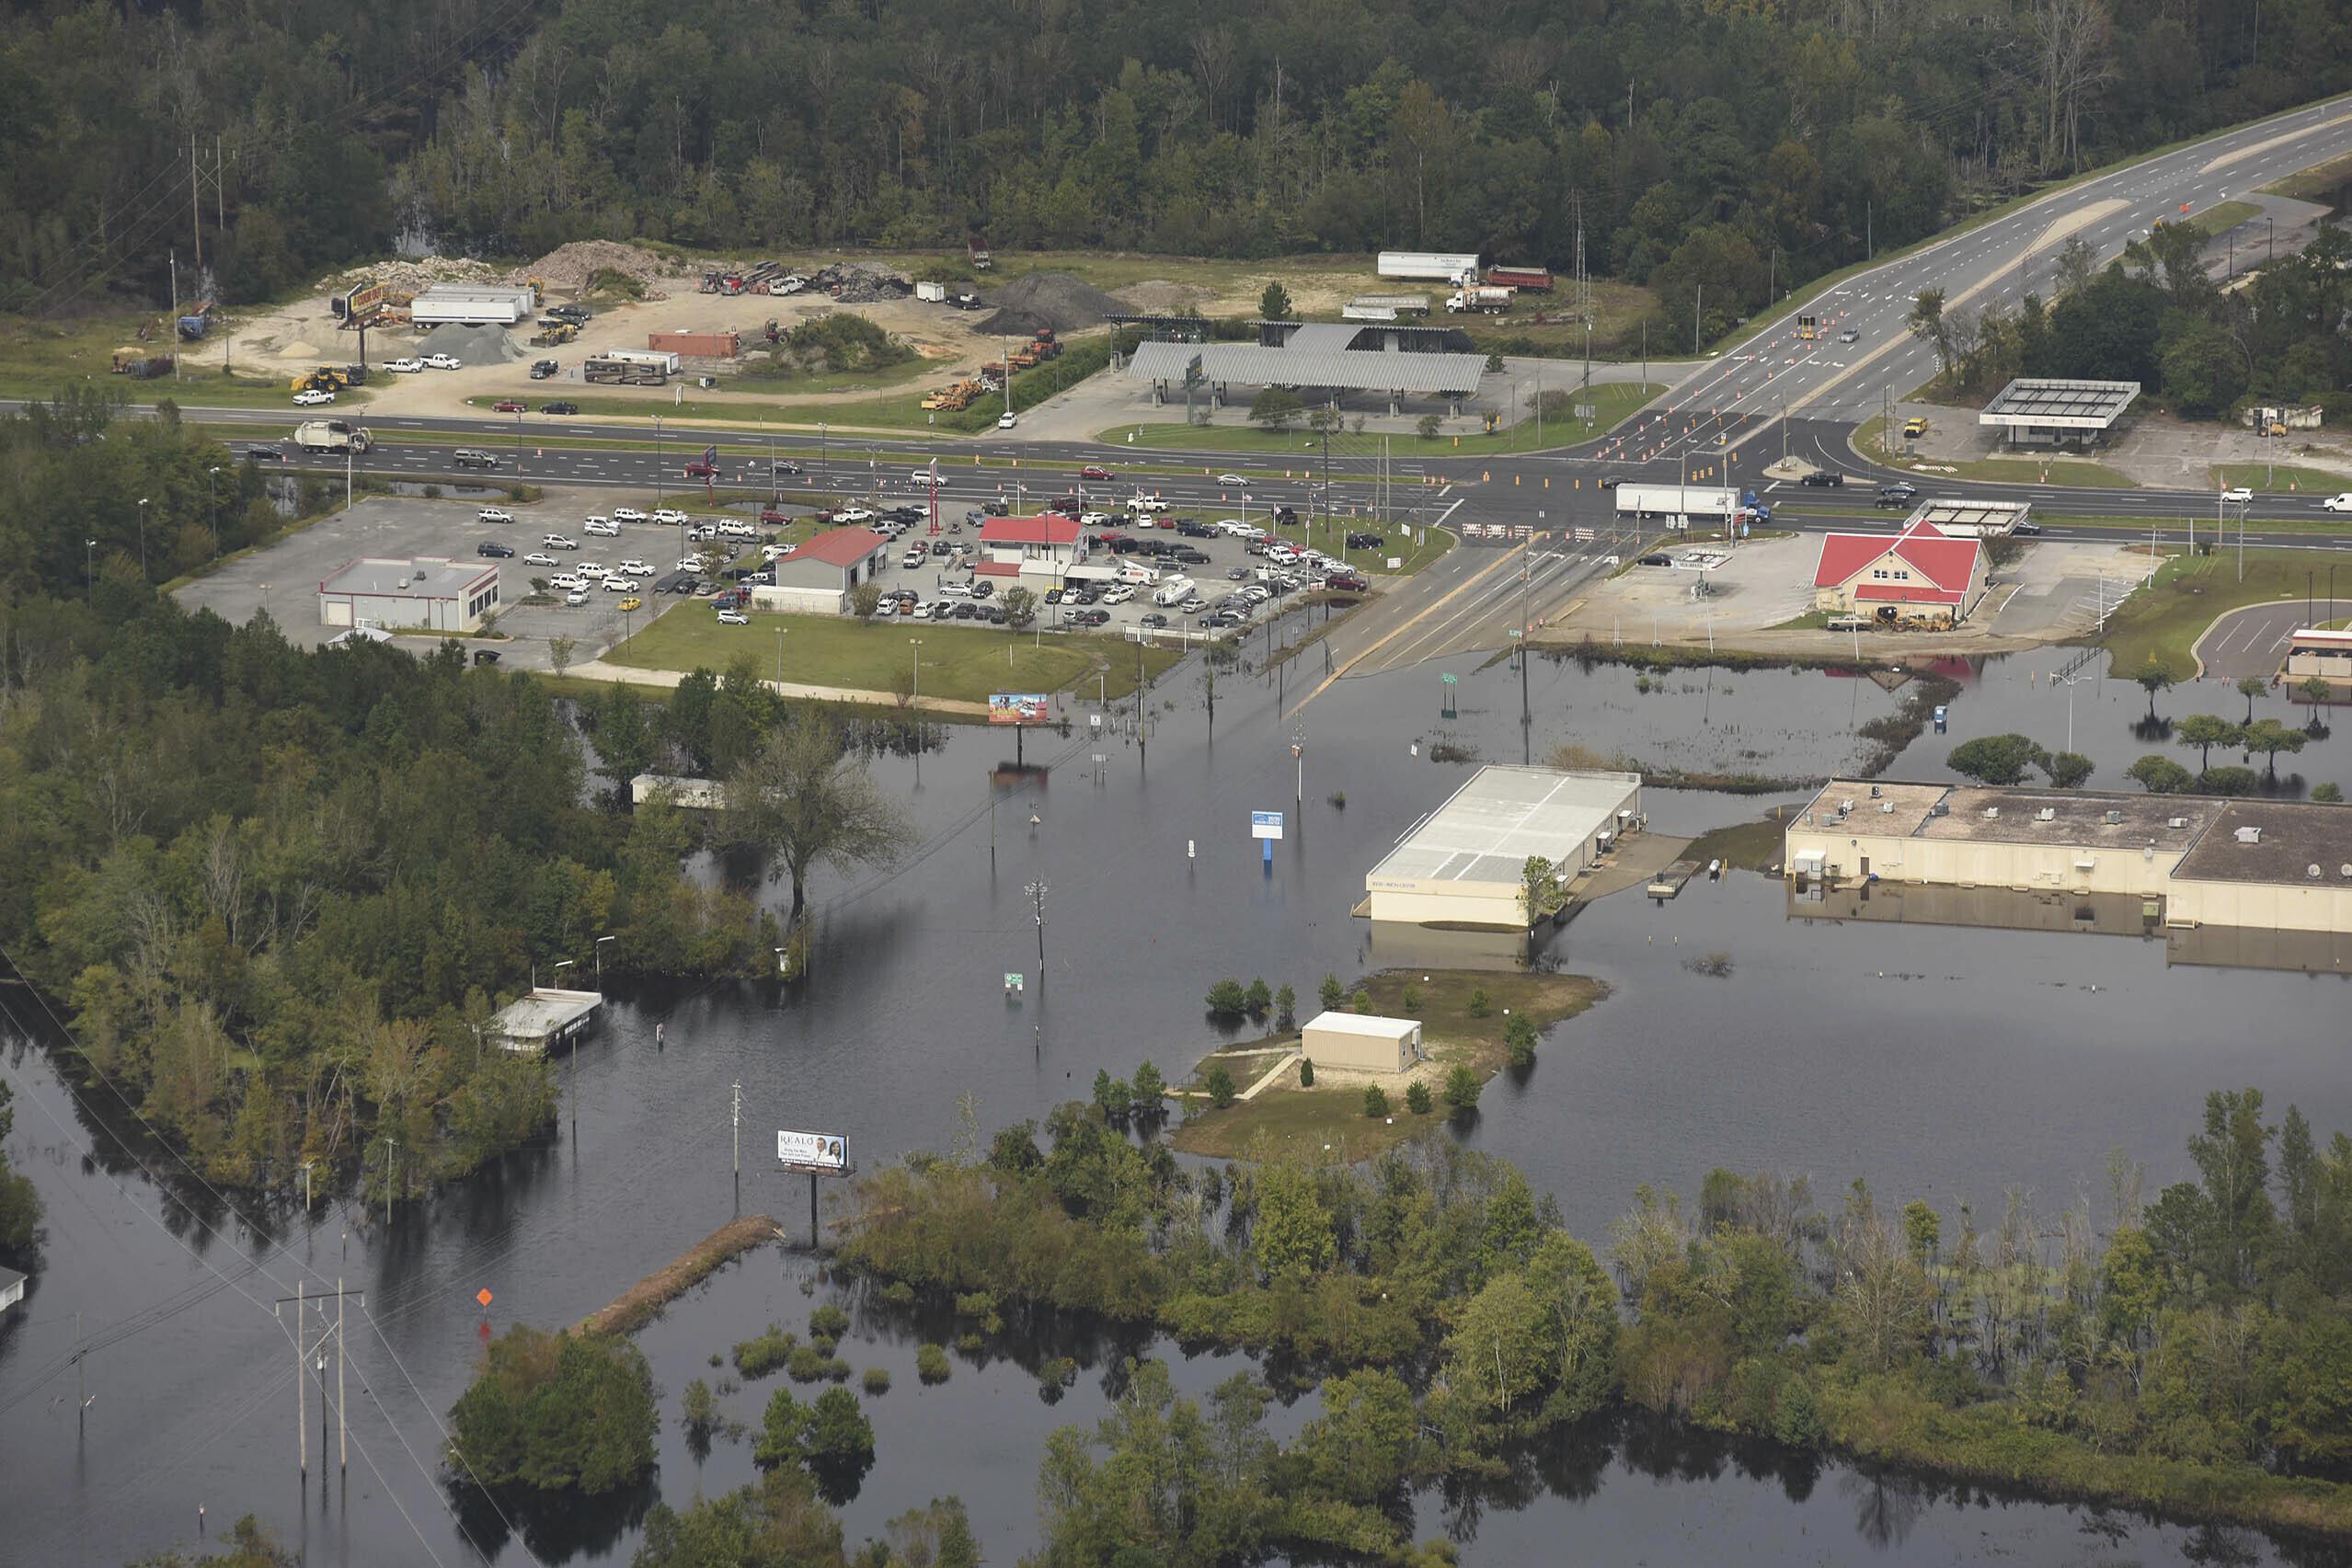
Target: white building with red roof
<point>1044,547</point>
<point>1922,577</point>
<point>816,578</point>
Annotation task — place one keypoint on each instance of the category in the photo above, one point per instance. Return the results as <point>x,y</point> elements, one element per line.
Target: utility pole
<point>319,1350</point>
<point>81,1399</point>
<point>388,1147</point>
<point>739,1129</point>
<point>1698,300</point>
<point>1298,755</point>
<point>177,373</point>
<point>1037,896</point>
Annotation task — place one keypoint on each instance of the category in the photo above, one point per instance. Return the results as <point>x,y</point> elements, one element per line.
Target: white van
<point>1136,572</point>
<point>1174,590</point>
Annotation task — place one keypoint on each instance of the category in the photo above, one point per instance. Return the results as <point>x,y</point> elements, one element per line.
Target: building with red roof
<point>1922,577</point>
<point>1045,546</point>
<point>816,578</point>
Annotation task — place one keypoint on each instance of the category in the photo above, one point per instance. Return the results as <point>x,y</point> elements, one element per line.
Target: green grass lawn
<point>1611,402</point>
<point>836,384</point>
<point>2280,479</point>
<point>961,662</point>
<point>2164,620</point>
<point>1335,1115</point>
<point>2058,472</point>
<point>37,357</point>
<point>2223,215</point>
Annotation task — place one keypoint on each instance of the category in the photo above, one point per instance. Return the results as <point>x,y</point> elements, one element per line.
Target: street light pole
<point>90,572</point>
<point>657,476</point>
<point>915,700</point>
<point>142,536</point>
<point>600,963</point>
<point>571,1076</point>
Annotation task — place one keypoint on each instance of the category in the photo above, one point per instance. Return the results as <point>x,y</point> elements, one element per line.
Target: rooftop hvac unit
<point>2345,872</point>
<point>1873,792</point>
<point>1992,813</point>
<point>1887,808</point>
<point>1941,808</point>
<point>2250,835</point>
<point>2313,872</point>
<point>2176,822</point>
<point>2047,814</point>
<point>2114,818</point>
<point>1845,806</point>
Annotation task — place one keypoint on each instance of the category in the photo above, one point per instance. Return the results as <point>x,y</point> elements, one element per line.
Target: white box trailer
<point>1677,503</point>
<point>932,294</point>
<point>474,304</point>
<point>1427,265</point>
<point>1403,304</point>
<point>1368,313</point>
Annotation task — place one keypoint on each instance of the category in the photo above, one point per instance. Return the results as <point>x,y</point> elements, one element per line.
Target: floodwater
<point>1870,1049</point>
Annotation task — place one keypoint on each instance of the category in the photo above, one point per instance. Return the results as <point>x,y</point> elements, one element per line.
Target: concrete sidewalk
<point>598,670</point>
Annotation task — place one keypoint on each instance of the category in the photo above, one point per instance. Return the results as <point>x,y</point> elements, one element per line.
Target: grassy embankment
<point>2318,183</point>
<point>2164,619</point>
<point>643,1301</point>
<point>965,663</point>
<point>1333,1113</point>
<point>2282,482</point>
<point>1611,402</point>
<point>38,357</point>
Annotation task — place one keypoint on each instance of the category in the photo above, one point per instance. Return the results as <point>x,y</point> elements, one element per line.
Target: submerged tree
<point>802,798</point>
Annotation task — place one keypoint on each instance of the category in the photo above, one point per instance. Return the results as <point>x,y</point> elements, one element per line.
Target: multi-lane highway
<point>1745,392</point>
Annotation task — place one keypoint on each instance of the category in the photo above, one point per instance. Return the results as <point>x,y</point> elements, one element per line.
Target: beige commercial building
<point>2193,860</point>
<point>2317,650</point>
<point>1364,1043</point>
<point>1464,864</point>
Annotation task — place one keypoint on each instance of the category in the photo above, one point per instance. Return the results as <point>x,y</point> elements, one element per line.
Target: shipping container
<point>695,345</point>
<point>474,304</point>
<point>1536,278</point>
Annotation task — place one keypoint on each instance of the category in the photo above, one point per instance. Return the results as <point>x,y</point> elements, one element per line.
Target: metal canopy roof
<point>1505,814</point>
<point>1947,513</point>
<point>1311,364</point>
<point>2060,405</point>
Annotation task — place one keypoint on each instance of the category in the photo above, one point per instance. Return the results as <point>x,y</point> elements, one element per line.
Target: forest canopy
<point>1728,142</point>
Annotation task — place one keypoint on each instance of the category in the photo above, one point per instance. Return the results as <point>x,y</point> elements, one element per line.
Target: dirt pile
<point>1045,299</point>
<point>470,345</point>
<point>861,284</point>
<point>422,273</point>
<point>570,267</point>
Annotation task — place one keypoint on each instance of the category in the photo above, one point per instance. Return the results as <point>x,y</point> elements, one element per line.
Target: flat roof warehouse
<point>1321,354</point>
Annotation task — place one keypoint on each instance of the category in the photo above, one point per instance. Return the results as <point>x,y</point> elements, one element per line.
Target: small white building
<point>476,305</point>
<point>1044,548</point>
<point>546,1018</point>
<point>1361,1042</point>
<point>430,591</point>
<point>12,1288</point>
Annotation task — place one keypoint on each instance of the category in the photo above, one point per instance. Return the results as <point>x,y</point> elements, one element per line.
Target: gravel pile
<point>470,345</point>
<point>569,267</point>
<point>1045,299</point>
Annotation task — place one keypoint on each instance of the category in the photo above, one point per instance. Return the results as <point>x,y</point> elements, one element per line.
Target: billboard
<point>1266,824</point>
<point>822,1151</point>
<point>1016,707</point>
<point>363,300</point>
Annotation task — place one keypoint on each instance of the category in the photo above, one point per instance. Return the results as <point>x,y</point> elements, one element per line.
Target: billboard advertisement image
<point>813,1150</point>
<point>1016,707</point>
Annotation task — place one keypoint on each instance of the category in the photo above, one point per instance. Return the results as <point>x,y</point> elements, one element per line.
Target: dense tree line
<point>2192,1350</point>
<point>279,890</point>
<point>2154,316</point>
<point>1719,141</point>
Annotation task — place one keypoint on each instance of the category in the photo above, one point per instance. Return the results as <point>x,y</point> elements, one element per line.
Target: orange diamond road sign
<point>483,1296</point>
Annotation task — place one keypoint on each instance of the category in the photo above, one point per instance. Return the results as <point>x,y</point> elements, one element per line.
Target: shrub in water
<point>931,1363</point>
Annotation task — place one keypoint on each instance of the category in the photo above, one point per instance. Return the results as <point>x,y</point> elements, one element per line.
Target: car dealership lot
<point>285,578</point>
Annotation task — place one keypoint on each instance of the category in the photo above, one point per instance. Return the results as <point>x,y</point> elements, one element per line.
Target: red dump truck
<point>1537,279</point>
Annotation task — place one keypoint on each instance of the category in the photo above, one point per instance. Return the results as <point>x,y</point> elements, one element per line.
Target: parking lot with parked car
<point>285,578</point>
